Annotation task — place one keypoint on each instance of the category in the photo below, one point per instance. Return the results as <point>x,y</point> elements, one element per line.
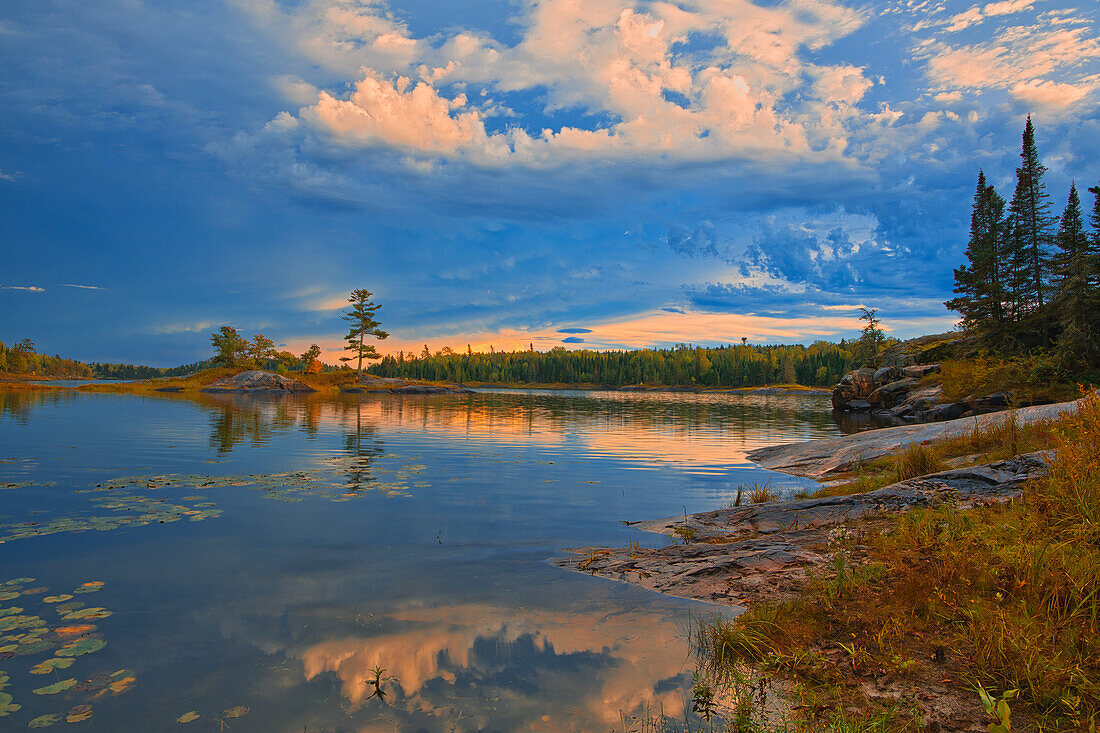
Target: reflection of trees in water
<point>363,448</point>
<point>19,405</point>
<point>236,419</point>
<point>671,413</point>
<point>255,419</point>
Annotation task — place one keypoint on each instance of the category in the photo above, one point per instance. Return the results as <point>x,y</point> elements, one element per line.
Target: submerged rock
<point>257,381</point>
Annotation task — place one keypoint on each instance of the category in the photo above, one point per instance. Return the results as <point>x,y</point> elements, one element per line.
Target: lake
<point>271,564</point>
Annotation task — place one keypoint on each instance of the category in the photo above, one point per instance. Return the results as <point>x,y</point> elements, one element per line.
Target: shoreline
<point>737,555</point>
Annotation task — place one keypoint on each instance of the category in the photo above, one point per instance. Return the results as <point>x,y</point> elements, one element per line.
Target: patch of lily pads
<point>70,638</point>
<point>126,502</point>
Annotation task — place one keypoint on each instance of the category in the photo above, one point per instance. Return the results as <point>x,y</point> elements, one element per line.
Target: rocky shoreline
<point>737,555</point>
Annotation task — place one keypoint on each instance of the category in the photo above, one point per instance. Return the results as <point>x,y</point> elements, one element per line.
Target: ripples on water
<point>340,536</point>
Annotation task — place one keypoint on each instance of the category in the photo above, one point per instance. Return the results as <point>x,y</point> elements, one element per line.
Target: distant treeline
<point>134,371</point>
<point>21,358</point>
<point>821,364</point>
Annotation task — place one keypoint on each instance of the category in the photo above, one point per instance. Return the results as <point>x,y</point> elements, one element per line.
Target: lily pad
<point>87,613</point>
<point>36,646</point>
<point>48,665</point>
<point>116,683</point>
<point>79,713</point>
<point>237,711</point>
<point>56,687</point>
<point>65,608</point>
<point>57,599</point>
<point>9,623</point>
<point>44,721</point>
<point>74,630</point>
<point>6,704</point>
<point>80,647</point>
<point>7,595</point>
<point>188,717</point>
<point>10,610</point>
<point>90,587</point>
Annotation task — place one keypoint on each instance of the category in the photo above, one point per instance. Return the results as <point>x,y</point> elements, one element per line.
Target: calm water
<point>275,555</point>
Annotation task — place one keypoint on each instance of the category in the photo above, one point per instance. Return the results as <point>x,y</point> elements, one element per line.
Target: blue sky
<point>586,173</point>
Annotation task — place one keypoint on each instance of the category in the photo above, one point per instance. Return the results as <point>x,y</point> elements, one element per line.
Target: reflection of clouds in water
<point>588,667</point>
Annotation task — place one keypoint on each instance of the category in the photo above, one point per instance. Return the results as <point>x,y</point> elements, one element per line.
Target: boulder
<point>920,370</point>
<point>254,381</point>
<point>889,395</point>
<point>887,374</point>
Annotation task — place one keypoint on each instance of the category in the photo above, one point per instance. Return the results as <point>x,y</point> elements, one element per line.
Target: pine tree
<point>363,323</point>
<point>1030,212</point>
<point>979,283</point>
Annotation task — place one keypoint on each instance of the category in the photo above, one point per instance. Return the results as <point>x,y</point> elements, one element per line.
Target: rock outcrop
<point>884,390</point>
<point>256,381</point>
<point>820,458</point>
<point>741,554</point>
<point>897,392</point>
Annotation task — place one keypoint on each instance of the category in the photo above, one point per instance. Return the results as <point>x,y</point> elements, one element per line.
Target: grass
<point>1004,596</point>
<point>1030,379</point>
<point>980,445</point>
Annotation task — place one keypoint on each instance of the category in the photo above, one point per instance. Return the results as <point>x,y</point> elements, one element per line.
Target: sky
<point>578,173</point>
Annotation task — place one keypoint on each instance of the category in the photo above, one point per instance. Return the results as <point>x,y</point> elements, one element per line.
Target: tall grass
<point>1006,596</point>
<point>917,460</point>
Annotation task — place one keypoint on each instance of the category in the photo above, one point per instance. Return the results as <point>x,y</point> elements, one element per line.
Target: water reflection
<point>550,669</point>
<point>693,429</point>
<point>362,531</point>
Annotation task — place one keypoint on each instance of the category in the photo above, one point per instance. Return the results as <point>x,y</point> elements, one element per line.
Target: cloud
<point>976,15</point>
<point>82,287</point>
<point>574,330</point>
<point>638,72</point>
<point>26,288</point>
<point>573,340</point>
<point>10,177</point>
<point>182,327</point>
<point>1038,63</point>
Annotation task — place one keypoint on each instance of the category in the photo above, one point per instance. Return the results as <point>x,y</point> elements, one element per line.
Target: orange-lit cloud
<point>441,642</point>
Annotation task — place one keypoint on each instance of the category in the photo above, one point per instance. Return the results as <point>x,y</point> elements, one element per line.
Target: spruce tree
<point>979,282</point>
<point>1071,278</point>
<point>1030,210</point>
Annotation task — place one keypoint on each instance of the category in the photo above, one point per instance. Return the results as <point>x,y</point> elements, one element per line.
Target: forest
<point>820,364</point>
<point>21,358</point>
<point>1030,286</point>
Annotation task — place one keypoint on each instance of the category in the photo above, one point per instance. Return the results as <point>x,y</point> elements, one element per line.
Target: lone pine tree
<point>363,324</point>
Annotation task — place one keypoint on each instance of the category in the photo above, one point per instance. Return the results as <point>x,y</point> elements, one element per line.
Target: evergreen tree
<point>1075,276</point>
<point>1030,213</point>
<point>979,283</point>
<point>868,351</point>
<point>363,324</point>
